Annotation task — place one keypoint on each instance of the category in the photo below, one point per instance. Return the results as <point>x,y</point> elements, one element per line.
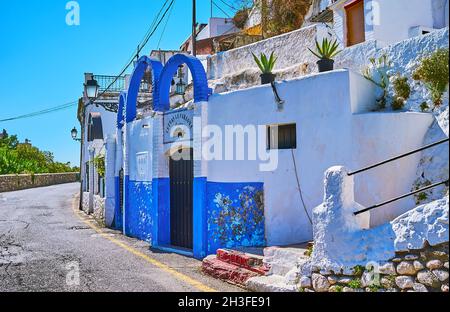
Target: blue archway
<point>201,90</point>
<point>135,83</point>
<point>120,115</point>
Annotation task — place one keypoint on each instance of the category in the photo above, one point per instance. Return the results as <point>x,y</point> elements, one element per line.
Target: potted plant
<point>266,66</point>
<point>325,52</point>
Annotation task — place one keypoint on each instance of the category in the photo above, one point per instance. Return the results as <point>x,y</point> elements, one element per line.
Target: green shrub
<point>433,73</point>
<point>424,107</point>
<point>358,270</point>
<point>355,284</point>
<point>377,73</point>
<point>402,91</point>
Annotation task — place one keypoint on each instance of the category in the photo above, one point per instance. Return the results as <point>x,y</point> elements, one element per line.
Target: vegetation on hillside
<point>24,158</point>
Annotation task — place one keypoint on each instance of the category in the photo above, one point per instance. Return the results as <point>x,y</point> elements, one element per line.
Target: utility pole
<point>194,28</point>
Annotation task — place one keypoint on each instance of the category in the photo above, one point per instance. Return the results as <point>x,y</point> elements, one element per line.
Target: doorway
<point>181,199</point>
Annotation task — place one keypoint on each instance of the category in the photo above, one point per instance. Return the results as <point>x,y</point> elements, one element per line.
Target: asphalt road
<point>47,246</point>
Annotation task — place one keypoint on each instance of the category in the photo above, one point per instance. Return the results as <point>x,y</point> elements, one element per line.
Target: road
<point>47,245</point>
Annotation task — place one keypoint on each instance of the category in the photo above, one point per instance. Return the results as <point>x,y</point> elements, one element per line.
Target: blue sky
<point>43,60</point>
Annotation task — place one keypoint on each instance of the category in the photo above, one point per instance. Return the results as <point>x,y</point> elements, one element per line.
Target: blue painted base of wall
<point>139,212</point>
<point>226,215</point>
<point>235,215</point>
<point>118,213</point>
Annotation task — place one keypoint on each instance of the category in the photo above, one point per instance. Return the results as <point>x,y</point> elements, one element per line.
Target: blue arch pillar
<point>130,111</point>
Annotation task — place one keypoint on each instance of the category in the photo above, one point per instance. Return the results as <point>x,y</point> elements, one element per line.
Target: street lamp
<point>74,134</point>
<point>91,88</point>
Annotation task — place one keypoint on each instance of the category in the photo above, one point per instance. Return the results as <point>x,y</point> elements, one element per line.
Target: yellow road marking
<point>189,280</point>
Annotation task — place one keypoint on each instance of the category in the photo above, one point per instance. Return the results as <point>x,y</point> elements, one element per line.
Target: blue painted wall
<point>235,215</point>
<point>139,212</point>
<point>118,213</point>
<point>161,204</point>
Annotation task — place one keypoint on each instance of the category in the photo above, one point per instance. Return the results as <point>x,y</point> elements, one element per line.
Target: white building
<point>387,21</point>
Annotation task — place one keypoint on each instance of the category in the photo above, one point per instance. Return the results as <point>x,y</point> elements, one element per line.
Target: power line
<point>165,26</point>
<point>140,47</point>
<point>222,10</point>
<point>229,5</point>
<point>150,32</point>
<point>42,112</point>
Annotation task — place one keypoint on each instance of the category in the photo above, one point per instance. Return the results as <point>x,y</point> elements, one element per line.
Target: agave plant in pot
<point>266,65</point>
<point>325,51</point>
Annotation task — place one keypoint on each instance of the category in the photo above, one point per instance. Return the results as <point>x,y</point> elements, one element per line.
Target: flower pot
<point>325,65</point>
<point>267,78</point>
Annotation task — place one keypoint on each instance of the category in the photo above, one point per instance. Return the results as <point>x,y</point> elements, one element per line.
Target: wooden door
<point>355,22</point>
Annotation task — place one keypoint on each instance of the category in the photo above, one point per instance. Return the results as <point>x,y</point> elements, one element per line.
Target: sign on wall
<point>142,166</point>
<point>178,126</point>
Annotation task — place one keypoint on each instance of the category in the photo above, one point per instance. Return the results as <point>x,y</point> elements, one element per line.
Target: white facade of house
<point>391,21</point>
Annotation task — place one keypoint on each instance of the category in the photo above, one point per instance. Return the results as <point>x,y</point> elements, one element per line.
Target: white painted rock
<point>441,275</point>
<point>387,269</point>
<point>404,282</point>
<point>428,279</point>
<point>406,268</point>
<point>419,288</point>
<point>320,283</point>
<point>434,264</point>
<point>305,282</point>
<point>418,265</point>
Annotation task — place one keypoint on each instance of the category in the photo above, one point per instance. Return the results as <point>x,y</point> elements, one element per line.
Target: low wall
<point>15,182</point>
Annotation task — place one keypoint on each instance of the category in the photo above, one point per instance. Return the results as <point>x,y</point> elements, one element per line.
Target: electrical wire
<point>222,10</point>
<point>42,112</point>
<point>140,47</point>
<point>229,5</point>
<point>165,26</point>
<point>152,29</point>
<point>300,189</point>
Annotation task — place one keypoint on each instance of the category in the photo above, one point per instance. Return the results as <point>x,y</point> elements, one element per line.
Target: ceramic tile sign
<point>178,126</point>
<point>142,164</point>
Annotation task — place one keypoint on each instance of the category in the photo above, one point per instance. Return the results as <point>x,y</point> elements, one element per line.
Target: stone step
<point>281,260</point>
<point>228,272</point>
<point>244,260</point>
<point>272,283</point>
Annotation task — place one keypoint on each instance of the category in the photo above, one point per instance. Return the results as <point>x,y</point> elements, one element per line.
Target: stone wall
<point>423,270</point>
<point>9,183</point>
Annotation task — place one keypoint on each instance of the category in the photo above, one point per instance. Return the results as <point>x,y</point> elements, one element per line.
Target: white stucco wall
<point>357,246</point>
<point>333,127</point>
<point>140,143</point>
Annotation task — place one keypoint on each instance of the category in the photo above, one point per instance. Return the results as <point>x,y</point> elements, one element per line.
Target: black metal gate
<point>181,202</point>
<point>121,189</point>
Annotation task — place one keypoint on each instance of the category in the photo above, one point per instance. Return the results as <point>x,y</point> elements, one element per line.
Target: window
<point>282,136</point>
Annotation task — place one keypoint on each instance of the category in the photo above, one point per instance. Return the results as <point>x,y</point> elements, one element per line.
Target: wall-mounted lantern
<point>91,88</point>
<point>74,134</point>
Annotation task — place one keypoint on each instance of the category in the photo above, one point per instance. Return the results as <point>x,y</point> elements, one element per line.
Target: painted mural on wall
<point>139,212</point>
<point>235,215</point>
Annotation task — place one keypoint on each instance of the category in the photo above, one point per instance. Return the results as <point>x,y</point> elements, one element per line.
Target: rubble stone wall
<point>424,270</point>
<point>9,183</point>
